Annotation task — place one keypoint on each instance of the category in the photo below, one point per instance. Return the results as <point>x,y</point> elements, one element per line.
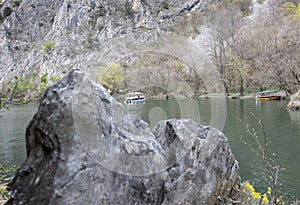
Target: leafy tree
<point>111,76</point>
<point>30,87</point>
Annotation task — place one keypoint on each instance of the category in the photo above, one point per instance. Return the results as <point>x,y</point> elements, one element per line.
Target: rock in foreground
<point>83,148</point>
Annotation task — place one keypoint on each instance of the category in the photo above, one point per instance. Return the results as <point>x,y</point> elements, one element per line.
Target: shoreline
<point>213,95</point>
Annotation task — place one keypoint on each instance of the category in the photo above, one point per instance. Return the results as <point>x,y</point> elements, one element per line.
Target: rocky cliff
<point>53,36</point>
<point>82,148</point>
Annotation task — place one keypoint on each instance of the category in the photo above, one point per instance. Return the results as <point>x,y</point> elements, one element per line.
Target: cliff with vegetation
<point>53,37</point>
<point>252,45</point>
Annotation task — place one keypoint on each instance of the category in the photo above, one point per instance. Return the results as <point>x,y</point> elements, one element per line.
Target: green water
<point>282,126</point>
<point>13,123</point>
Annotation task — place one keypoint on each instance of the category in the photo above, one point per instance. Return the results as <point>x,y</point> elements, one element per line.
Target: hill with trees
<point>247,45</point>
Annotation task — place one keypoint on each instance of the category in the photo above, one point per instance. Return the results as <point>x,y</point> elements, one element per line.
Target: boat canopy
<point>267,92</point>
<point>134,94</point>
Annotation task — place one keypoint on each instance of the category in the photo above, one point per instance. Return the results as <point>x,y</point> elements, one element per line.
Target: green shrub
<point>5,174</point>
<point>7,11</point>
<point>260,1</point>
<point>100,11</point>
<point>1,18</point>
<point>24,87</point>
<point>165,4</point>
<point>16,3</point>
<point>3,193</point>
<point>51,20</point>
<point>128,10</point>
<point>47,46</point>
<point>55,78</point>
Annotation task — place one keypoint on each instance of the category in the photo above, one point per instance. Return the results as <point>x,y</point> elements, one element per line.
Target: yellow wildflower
<point>269,191</point>
<point>249,187</point>
<point>256,195</point>
<point>265,199</point>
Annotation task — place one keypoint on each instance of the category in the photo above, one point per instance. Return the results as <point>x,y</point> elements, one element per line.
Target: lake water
<point>281,125</point>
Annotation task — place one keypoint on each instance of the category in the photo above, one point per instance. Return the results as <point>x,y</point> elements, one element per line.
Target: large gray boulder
<point>83,148</point>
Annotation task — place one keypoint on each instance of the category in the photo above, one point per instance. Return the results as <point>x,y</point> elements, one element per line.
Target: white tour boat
<point>134,98</point>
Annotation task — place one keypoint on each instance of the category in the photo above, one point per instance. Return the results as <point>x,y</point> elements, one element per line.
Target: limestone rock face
<point>83,148</point>
<point>79,32</point>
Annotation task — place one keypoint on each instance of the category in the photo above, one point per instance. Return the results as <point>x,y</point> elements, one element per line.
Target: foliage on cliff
<point>254,45</point>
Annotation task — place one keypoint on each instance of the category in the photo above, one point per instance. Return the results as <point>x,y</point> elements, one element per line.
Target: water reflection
<point>154,111</point>
<point>13,123</point>
<point>282,126</point>
<point>294,116</point>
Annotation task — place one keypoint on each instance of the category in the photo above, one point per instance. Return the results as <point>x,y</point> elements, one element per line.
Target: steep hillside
<point>53,36</point>
<point>42,40</point>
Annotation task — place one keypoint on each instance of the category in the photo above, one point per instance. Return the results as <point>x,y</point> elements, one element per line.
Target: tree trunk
<point>241,86</point>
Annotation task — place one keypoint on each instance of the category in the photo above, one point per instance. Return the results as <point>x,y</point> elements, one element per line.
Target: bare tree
<point>223,27</point>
